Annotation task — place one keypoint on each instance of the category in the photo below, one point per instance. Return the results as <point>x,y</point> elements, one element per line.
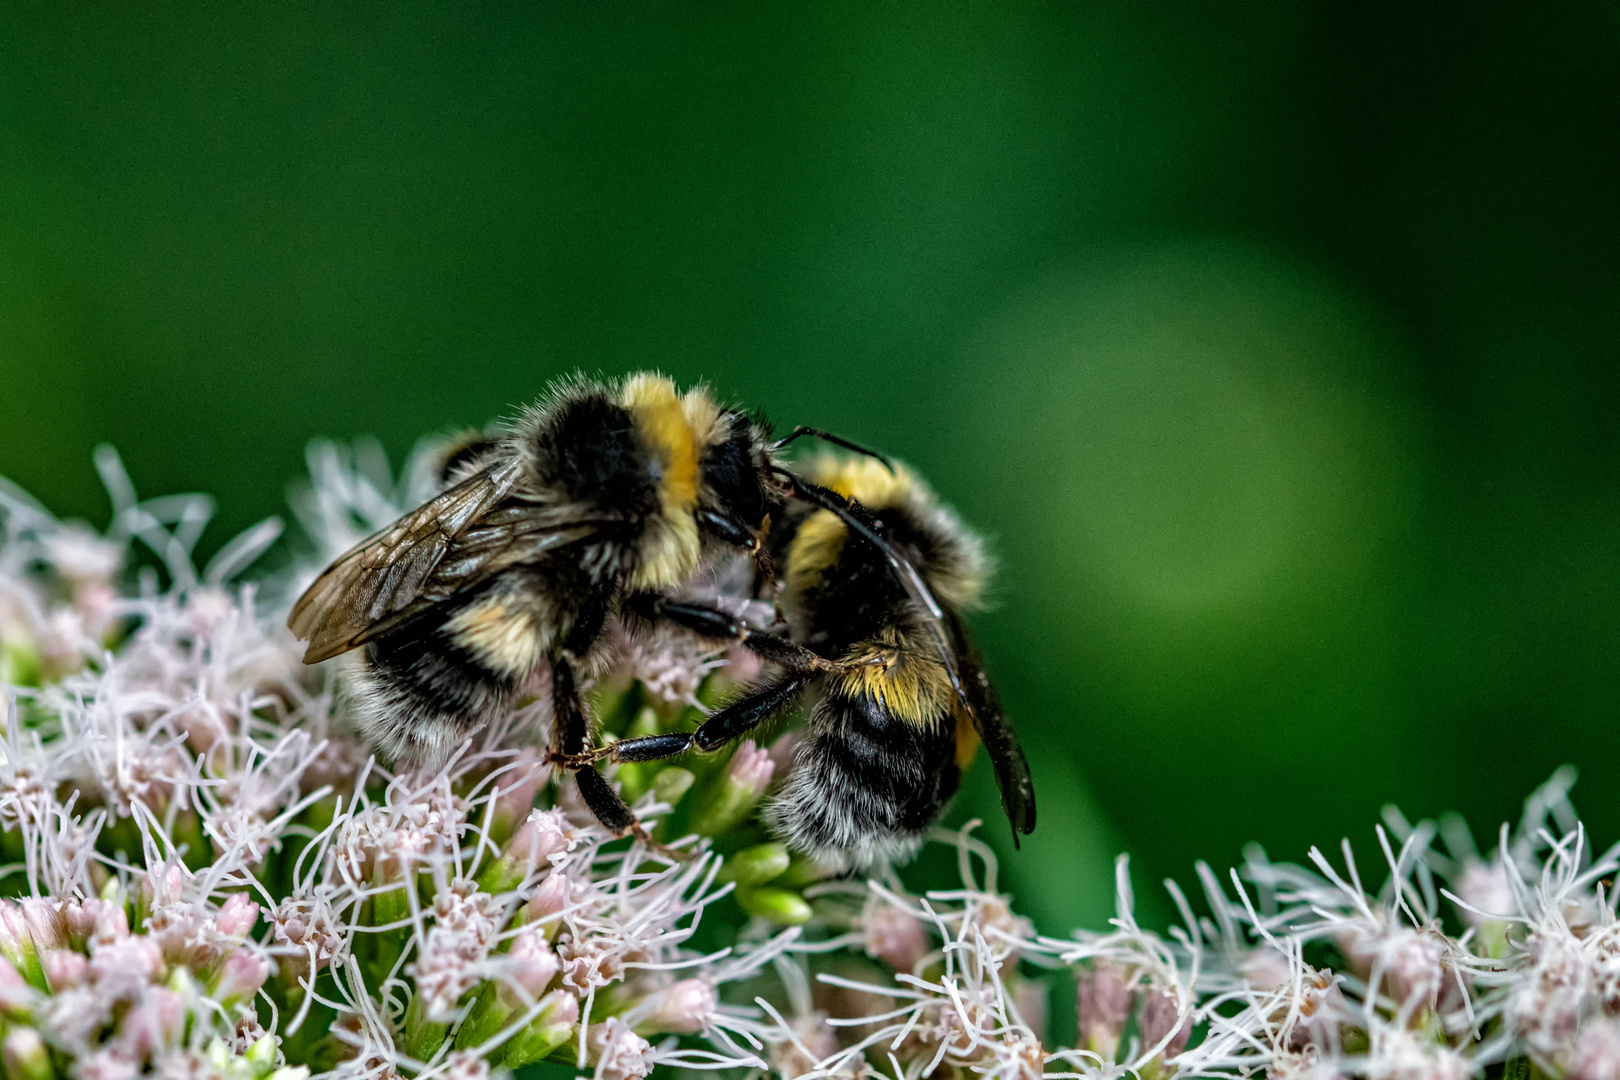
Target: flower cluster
<point>208,875</point>
<point>214,877</point>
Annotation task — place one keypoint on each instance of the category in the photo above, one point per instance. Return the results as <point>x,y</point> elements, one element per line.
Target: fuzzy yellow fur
<point>506,640</point>
<point>670,551</point>
<point>910,682</point>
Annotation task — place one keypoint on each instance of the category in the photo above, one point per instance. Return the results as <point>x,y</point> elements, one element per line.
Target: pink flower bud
<point>543,834</point>
<point>747,775</point>
<point>45,923</point>
<point>893,935</point>
<point>64,969</point>
<point>742,665</point>
<point>686,1008</point>
<point>550,898</point>
<point>111,923</point>
<point>163,887</point>
<point>236,918</point>
<point>241,976</point>
<point>1160,1015</point>
<point>558,1009</point>
<point>1105,1003</point>
<point>530,967</point>
<point>751,769</point>
<point>782,750</point>
<point>16,943</point>
<point>81,920</point>
<point>9,979</point>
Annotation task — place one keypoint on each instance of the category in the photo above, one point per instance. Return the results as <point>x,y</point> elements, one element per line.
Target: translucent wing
<point>984,707</point>
<point>446,545</point>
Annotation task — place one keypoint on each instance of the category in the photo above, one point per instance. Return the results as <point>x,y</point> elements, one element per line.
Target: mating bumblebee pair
<point>601,503</point>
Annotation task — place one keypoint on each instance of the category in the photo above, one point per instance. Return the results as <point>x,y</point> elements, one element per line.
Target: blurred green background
<point>1274,344</point>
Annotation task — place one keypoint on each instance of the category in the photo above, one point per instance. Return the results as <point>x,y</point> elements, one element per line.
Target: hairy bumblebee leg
<point>730,723</point>
<point>567,712</point>
<point>718,625</point>
<point>604,802</point>
<point>740,717</point>
<point>574,729</point>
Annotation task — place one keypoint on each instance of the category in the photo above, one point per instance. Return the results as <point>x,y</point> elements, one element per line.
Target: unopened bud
<point>1160,1016</point>
<point>236,918</point>
<point>685,1008</point>
<point>17,945</point>
<point>549,899</point>
<point>80,919</point>
<point>65,968</point>
<point>543,834</point>
<point>240,976</point>
<point>112,924</point>
<point>16,996</point>
<point>45,923</point>
<point>25,1056</point>
<point>893,935</point>
<point>758,864</point>
<point>739,788</point>
<point>780,906</point>
<point>551,1027</point>
<point>531,965</point>
<point>1105,1003</point>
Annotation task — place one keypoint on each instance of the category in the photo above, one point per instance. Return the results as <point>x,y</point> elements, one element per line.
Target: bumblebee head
<point>735,464</point>
<point>948,555</point>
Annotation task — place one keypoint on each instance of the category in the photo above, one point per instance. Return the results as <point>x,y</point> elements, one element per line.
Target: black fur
<point>866,783</point>
<point>589,449</point>
<point>731,469</point>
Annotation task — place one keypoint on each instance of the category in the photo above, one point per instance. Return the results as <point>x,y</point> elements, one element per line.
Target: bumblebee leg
<point>574,732</point>
<point>572,725</point>
<point>718,625</point>
<point>604,803</point>
<point>730,723</point>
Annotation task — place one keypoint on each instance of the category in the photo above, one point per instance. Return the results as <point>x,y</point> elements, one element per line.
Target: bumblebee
<point>904,700</point>
<point>599,497</point>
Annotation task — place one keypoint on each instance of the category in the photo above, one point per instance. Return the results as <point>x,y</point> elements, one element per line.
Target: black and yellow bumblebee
<point>904,700</point>
<point>601,497</point>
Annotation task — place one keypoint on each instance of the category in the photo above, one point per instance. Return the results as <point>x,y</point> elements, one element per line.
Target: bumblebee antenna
<point>854,515</point>
<point>837,440</point>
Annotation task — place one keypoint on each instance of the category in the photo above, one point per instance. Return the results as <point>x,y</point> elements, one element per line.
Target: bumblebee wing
<point>447,544</point>
<point>984,707</point>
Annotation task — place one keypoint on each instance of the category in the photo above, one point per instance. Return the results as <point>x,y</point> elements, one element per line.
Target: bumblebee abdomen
<point>418,695</point>
<point>866,784</point>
